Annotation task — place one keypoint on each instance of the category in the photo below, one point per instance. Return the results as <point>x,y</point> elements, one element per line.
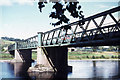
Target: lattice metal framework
<point>99,29</point>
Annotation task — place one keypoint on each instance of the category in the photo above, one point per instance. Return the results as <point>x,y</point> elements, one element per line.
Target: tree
<point>12,39</point>
<point>94,48</point>
<point>60,8</point>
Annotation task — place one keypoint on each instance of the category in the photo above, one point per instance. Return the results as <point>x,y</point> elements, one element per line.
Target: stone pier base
<point>43,64</point>
<point>51,59</point>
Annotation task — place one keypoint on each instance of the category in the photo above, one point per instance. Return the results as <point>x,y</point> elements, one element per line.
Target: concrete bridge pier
<point>42,58</point>
<point>58,57</point>
<point>53,58</point>
<point>22,55</point>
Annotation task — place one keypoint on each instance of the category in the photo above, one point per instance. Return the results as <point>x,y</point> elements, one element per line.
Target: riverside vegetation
<point>92,55</point>
<point>78,55</point>
<point>73,55</point>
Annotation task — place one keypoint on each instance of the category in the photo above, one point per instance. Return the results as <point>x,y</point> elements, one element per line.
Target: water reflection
<point>14,70</point>
<point>94,69</point>
<point>118,63</point>
<point>6,70</point>
<point>81,69</point>
<point>20,69</point>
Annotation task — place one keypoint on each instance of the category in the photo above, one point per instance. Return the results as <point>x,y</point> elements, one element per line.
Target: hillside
<point>4,44</point>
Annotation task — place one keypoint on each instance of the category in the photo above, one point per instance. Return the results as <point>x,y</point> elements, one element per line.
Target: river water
<point>82,70</point>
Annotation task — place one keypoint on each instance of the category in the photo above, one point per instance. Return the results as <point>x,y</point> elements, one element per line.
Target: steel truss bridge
<point>102,29</point>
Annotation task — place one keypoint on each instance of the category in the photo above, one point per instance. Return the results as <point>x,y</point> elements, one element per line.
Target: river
<point>82,69</point>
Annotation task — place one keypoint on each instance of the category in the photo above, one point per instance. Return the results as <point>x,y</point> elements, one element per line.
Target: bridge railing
<point>102,26</point>
<point>89,35</point>
<point>28,43</point>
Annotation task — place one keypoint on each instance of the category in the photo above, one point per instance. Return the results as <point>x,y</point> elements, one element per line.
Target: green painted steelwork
<point>40,39</point>
<point>15,45</point>
<point>93,33</point>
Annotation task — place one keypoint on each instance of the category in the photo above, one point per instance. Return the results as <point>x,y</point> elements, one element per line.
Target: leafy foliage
<point>60,8</point>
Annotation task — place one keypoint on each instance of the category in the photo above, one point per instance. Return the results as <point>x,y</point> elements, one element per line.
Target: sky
<point>22,18</point>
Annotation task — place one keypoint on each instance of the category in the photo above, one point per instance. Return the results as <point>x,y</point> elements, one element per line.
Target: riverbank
<point>80,55</point>
<point>77,55</point>
<point>78,60</point>
<point>6,56</point>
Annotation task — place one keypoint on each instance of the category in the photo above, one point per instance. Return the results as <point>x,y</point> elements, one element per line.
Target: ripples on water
<point>87,70</point>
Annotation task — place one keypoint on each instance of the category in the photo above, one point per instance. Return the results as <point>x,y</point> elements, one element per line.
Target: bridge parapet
<point>99,29</point>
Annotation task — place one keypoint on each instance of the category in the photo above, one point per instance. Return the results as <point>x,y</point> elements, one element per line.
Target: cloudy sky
<point>22,19</point>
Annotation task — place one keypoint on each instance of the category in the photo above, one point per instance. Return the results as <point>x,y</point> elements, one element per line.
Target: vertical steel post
<point>119,13</point>
<point>40,38</point>
<point>15,51</point>
<point>15,45</point>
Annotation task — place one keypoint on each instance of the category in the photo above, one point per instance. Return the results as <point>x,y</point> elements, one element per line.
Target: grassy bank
<point>34,55</point>
<point>73,55</point>
<point>87,55</point>
<point>5,56</point>
<point>92,55</point>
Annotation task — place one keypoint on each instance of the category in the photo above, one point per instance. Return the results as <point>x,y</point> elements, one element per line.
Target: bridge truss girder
<point>77,34</point>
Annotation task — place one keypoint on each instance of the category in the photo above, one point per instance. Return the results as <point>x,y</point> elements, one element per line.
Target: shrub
<point>102,56</point>
<point>112,56</point>
<point>97,57</point>
<point>93,57</point>
<point>116,57</point>
<point>87,57</point>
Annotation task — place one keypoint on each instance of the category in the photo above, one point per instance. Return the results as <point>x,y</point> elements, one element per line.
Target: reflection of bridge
<point>54,43</point>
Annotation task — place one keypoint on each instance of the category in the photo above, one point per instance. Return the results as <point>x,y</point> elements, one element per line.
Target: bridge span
<point>102,29</point>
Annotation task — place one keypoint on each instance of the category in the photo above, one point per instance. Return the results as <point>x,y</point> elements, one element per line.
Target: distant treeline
<point>12,39</point>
